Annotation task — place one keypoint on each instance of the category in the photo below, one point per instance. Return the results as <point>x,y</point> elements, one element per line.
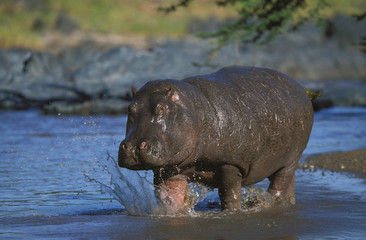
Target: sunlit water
<point>47,163</point>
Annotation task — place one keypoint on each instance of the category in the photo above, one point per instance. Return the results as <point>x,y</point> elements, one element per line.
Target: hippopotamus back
<point>256,114</point>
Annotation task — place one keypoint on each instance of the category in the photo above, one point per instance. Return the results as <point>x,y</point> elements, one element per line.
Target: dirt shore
<point>349,161</point>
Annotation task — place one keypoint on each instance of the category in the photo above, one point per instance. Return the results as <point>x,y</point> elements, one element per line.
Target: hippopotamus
<point>228,129</point>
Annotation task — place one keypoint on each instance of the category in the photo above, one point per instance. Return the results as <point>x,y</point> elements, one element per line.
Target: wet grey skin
<point>232,128</point>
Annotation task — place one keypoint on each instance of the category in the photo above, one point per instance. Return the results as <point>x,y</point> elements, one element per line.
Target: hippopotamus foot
<point>282,186</point>
<point>229,178</point>
<point>172,194</point>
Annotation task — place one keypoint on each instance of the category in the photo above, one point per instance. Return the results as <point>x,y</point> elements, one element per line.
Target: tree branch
<point>259,22</point>
<point>174,7</point>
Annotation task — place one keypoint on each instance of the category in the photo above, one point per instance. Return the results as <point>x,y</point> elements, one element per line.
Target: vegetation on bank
<point>24,23</point>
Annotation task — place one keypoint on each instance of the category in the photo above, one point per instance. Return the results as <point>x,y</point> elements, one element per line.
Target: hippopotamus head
<point>160,128</point>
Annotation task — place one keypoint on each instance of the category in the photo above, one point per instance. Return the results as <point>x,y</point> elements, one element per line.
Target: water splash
<point>256,199</point>
<point>133,191</point>
<point>137,194</point>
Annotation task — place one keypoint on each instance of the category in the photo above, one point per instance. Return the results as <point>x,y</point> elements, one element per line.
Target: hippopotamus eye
<point>132,109</point>
<point>160,109</point>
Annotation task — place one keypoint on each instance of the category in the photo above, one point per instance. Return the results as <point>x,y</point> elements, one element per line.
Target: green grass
<point>124,17</point>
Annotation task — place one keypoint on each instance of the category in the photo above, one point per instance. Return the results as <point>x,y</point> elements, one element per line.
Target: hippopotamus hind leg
<point>282,186</point>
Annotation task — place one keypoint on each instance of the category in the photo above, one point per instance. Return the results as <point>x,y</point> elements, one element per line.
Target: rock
<point>311,53</point>
<point>13,100</point>
<point>110,70</point>
<point>114,72</point>
<point>19,68</point>
<point>303,55</point>
<point>347,31</point>
<point>33,79</point>
<point>90,72</point>
<point>76,57</point>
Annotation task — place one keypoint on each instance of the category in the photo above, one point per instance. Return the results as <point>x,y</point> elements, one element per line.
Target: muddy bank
<point>349,161</point>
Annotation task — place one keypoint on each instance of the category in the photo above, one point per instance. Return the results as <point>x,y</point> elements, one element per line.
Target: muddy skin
<point>232,128</point>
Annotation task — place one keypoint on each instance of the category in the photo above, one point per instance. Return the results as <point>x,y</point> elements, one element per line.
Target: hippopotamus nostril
<point>122,146</point>
<point>143,145</point>
<point>128,147</point>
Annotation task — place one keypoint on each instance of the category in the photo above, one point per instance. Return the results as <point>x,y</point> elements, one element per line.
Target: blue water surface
<point>44,161</point>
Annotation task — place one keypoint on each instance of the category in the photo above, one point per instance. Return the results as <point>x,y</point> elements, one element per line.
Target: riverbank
<point>96,77</point>
<point>353,162</point>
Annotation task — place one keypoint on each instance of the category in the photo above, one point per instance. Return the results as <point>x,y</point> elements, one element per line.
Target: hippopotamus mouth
<point>146,155</point>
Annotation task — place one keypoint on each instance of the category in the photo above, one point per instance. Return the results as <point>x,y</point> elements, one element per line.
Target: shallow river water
<point>49,166</point>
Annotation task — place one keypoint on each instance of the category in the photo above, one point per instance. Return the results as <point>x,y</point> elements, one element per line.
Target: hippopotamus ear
<point>172,94</point>
<point>134,91</point>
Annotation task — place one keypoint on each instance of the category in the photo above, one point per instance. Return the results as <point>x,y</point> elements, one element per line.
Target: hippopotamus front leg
<point>172,193</point>
<point>229,180</point>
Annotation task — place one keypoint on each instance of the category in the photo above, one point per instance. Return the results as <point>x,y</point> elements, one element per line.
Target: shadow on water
<point>44,193</point>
